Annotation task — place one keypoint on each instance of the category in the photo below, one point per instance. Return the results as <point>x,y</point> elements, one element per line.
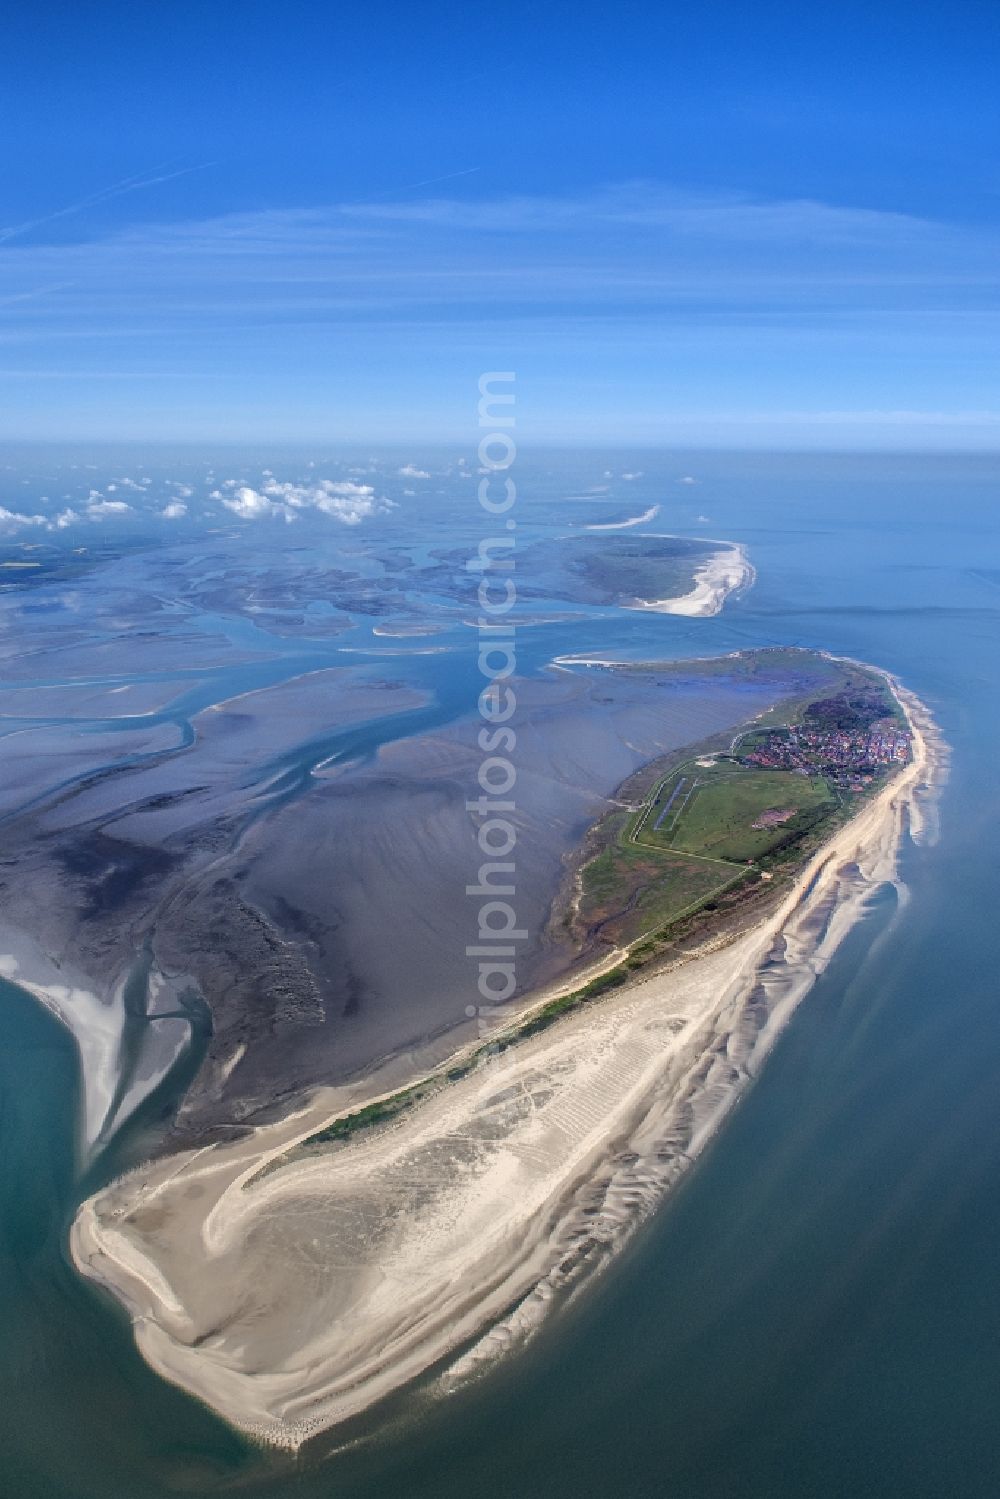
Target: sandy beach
<point>723,573</point>
<point>292,1288</point>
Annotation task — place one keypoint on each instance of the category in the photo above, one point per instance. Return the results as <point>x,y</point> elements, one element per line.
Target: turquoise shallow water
<point>816,1310</point>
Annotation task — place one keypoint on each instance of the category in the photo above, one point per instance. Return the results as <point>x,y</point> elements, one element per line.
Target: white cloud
<point>341,500</point>
<point>174,511</point>
<point>687,479</point>
<point>98,508</point>
<point>250,504</point>
<point>16,520</point>
<point>13,520</point>
<point>408,471</point>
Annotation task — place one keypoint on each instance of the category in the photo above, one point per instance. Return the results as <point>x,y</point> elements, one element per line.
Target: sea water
<point>815,1311</point>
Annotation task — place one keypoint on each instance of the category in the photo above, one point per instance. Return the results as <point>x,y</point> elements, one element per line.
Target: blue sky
<point>713,225</point>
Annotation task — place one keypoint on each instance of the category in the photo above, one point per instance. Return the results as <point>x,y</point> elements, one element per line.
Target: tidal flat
<point>219,766</point>
<point>261,880</point>
<point>296,1277</point>
<point>818,1158</point>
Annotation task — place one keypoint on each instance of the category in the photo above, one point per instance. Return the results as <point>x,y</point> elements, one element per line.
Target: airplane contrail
<point>115,190</point>
<point>429,181</point>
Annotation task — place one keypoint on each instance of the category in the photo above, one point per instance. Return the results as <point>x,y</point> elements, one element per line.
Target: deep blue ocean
<point>815,1313</point>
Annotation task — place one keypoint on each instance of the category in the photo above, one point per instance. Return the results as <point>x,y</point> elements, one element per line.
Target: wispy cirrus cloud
<point>632,246</point>
<point>132,184</point>
<point>627,303</point>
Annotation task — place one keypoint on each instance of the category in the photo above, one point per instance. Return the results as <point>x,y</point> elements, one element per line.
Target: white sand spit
<point>291,1294</point>
<point>97,1025</point>
<point>724,572</point>
<point>624,525</point>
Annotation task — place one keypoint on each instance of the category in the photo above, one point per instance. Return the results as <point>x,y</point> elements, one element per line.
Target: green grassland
<point>716,810</point>
<point>630,890</point>
<point>647,877</point>
<point>690,845</point>
<point>654,889</point>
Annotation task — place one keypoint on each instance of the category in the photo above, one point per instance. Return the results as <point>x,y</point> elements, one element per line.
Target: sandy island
<point>724,572</point>
<point>291,1288</point>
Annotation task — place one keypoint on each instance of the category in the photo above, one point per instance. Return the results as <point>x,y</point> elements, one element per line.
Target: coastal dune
<point>291,1286</point>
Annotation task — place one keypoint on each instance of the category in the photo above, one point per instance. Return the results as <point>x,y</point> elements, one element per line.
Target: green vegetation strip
<point>386,1109</point>
<point>730,795</point>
